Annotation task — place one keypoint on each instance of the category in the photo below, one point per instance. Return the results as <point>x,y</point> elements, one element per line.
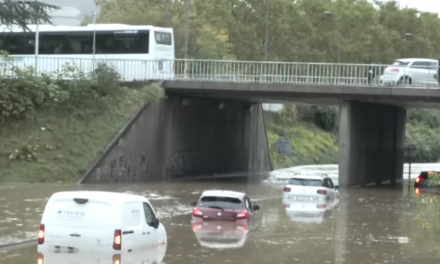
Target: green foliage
<point>54,124</point>
<point>298,30</point>
<point>22,13</point>
<point>326,117</point>
<point>54,145</point>
<point>423,130</point>
<point>429,213</point>
<point>310,144</point>
<point>29,91</point>
<point>287,116</point>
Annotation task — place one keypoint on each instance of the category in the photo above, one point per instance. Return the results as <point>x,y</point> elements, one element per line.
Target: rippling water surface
<point>367,226</point>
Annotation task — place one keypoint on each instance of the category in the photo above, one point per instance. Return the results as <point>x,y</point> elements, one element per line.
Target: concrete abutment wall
<point>181,138</point>
<point>371,143</point>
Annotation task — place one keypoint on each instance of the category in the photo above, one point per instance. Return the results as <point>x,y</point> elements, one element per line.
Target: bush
<point>23,90</point>
<point>326,117</point>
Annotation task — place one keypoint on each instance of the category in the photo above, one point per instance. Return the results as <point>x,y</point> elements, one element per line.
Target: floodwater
<point>368,226</point>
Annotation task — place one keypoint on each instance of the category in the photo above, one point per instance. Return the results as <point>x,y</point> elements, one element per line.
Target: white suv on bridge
<point>411,72</point>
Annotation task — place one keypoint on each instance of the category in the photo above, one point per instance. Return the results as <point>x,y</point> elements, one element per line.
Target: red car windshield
<point>220,202</point>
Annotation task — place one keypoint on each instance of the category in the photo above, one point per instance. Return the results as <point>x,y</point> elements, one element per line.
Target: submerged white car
<point>310,188</point>
<point>306,198</point>
<point>93,221</point>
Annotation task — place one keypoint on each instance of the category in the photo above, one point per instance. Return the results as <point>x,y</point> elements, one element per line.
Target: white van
<point>92,221</point>
<point>152,255</point>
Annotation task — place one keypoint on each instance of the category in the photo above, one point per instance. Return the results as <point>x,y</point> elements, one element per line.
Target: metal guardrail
<point>242,71</point>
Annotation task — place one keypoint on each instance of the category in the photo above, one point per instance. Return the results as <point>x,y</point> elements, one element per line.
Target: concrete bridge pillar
<point>371,143</point>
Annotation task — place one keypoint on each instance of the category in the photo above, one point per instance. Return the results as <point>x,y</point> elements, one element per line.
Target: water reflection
<point>153,255</point>
<point>368,226</point>
<point>312,211</point>
<point>220,234</point>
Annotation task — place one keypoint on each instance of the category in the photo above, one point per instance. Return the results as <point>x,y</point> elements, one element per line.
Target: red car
<point>221,205</point>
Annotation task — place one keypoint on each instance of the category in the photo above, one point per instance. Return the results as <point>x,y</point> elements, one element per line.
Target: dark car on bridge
<point>423,180</point>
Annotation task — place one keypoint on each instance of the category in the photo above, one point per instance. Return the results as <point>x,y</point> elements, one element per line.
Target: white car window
<point>400,63</point>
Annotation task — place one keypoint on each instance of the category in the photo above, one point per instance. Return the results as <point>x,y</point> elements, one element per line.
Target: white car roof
<point>113,197</point>
<point>223,193</point>
<point>416,59</point>
<point>311,177</point>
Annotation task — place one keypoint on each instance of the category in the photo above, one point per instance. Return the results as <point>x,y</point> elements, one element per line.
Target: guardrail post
<point>308,73</point>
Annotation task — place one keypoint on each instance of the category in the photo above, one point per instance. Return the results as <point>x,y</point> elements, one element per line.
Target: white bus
<point>138,52</point>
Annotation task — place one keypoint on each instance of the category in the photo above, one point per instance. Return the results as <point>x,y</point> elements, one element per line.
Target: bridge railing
<point>238,71</point>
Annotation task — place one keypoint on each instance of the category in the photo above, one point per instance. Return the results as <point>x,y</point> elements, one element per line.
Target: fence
<point>243,71</point>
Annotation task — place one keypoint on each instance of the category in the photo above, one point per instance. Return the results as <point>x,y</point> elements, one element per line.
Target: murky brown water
<point>368,226</point>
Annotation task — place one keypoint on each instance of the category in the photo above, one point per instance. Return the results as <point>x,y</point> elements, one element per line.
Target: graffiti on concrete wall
<point>119,165</point>
<point>185,162</point>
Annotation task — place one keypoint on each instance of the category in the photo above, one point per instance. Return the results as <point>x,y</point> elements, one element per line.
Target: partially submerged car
<point>223,205</point>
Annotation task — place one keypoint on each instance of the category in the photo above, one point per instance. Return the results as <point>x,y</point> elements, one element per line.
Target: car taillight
<point>197,212</point>
<point>418,179</point>
<point>243,215</point>
<point>40,259</point>
<point>242,228</point>
<point>287,189</point>
<point>117,242</point>
<point>322,191</point>
<point>395,70</point>
<point>116,259</point>
<point>41,235</point>
<point>321,206</point>
<point>196,227</point>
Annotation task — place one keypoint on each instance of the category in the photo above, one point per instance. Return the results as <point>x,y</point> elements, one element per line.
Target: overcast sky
<point>422,5</point>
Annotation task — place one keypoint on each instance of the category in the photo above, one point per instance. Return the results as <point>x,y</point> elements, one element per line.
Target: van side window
<point>149,214</point>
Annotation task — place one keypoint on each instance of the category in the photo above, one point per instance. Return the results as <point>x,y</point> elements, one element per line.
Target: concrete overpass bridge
<point>211,124</point>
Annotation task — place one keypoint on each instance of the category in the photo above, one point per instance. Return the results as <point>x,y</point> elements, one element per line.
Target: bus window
<point>107,42</point>
<point>18,43</point>
<point>65,43</point>
<point>163,38</point>
<point>119,43</point>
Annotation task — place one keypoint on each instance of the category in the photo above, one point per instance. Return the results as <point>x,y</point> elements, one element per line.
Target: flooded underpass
<point>369,225</point>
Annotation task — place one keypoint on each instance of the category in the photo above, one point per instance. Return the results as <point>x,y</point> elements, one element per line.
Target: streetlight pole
<point>187,28</point>
<point>169,14</point>
<point>266,40</point>
<point>94,39</point>
<point>329,13</point>
<point>338,68</point>
<point>410,35</point>
<point>37,40</point>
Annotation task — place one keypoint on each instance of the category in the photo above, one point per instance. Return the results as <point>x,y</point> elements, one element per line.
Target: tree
<point>205,40</point>
<point>22,13</point>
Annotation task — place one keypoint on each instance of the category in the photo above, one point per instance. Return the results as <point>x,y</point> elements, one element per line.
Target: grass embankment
<point>57,139</point>
<point>312,141</point>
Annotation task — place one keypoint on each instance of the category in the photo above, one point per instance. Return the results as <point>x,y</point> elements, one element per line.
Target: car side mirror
<point>336,187</point>
<point>255,207</point>
<point>193,203</point>
<point>156,223</point>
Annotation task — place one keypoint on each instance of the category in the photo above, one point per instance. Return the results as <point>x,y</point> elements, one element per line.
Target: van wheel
<point>405,80</point>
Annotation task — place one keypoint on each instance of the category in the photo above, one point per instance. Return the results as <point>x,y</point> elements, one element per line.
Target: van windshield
<point>222,202</point>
